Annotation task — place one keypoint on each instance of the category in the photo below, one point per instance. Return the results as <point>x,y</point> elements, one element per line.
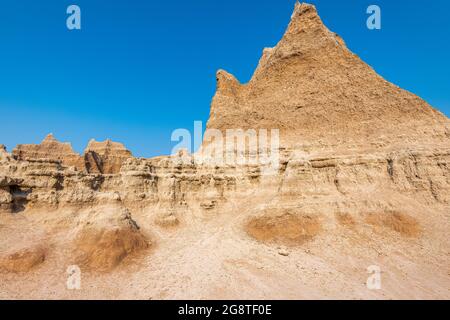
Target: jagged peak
<point>223,75</point>
<point>226,82</point>
<point>305,20</point>
<point>304,17</point>
<point>302,8</point>
<point>105,146</point>
<point>4,155</point>
<point>49,138</point>
<point>305,35</point>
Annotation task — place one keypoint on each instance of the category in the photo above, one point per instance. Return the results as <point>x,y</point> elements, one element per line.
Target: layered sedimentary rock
<point>358,156</point>
<point>99,157</point>
<point>321,95</point>
<point>337,119</point>
<point>49,149</point>
<point>105,157</point>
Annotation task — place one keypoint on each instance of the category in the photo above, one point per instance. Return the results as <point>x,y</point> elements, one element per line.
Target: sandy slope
<point>208,258</point>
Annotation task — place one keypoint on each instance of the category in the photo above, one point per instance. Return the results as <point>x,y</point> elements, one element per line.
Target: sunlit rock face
<point>321,95</point>
<point>49,149</point>
<point>106,157</point>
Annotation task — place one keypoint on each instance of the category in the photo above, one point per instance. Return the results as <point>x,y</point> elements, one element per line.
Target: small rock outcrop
<point>107,236</point>
<point>4,155</point>
<point>99,157</point>
<point>105,157</point>
<point>49,150</point>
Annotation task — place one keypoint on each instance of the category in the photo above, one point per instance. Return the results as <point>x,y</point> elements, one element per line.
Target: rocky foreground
<point>363,180</point>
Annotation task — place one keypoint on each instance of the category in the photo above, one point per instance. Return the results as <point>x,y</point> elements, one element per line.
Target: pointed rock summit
<point>49,139</point>
<point>319,94</point>
<point>105,157</point>
<point>49,149</point>
<point>4,155</point>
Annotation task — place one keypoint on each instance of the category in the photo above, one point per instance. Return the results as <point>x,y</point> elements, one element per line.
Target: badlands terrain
<point>363,180</point>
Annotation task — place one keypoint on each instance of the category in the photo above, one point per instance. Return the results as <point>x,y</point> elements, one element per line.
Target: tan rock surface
<point>22,260</point>
<point>319,94</point>
<point>49,149</point>
<point>106,237</point>
<point>106,157</point>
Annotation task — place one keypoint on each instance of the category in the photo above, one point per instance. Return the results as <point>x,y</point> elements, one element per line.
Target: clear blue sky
<point>140,69</point>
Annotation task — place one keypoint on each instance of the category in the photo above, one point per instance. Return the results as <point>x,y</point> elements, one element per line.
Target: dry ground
<point>234,255</point>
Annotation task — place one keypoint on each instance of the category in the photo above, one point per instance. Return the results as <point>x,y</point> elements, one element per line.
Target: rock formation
<point>319,94</point>
<point>105,237</point>
<point>99,157</point>
<point>364,178</point>
<point>49,149</point>
<point>105,157</point>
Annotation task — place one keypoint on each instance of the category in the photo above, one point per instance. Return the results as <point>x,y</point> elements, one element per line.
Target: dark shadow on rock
<point>20,196</point>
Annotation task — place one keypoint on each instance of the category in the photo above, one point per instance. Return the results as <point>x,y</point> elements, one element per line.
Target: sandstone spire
<point>318,93</point>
